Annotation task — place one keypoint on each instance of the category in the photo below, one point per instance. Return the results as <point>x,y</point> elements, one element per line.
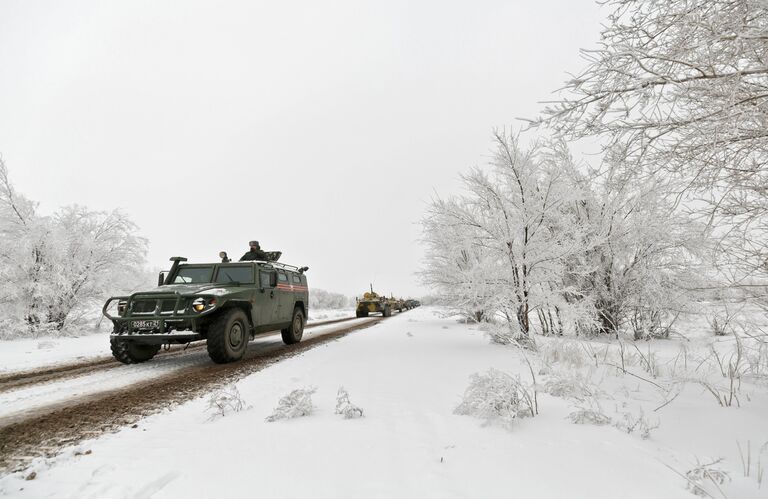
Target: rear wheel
<point>293,333</point>
<point>130,352</point>
<point>228,336</point>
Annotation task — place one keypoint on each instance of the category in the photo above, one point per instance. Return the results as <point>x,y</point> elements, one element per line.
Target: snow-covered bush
<point>700,478</point>
<point>569,385</point>
<point>345,407</point>
<point>497,397</point>
<point>296,404</point>
<point>507,333</point>
<point>566,352</point>
<point>639,424</point>
<point>589,416</point>
<point>225,401</point>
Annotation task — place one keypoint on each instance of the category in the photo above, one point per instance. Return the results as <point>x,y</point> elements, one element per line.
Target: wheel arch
<point>243,305</point>
<point>301,305</point>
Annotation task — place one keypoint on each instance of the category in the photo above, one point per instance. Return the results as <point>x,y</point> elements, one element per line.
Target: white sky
<point>321,129</point>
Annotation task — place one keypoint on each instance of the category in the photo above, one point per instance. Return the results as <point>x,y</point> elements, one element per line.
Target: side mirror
<point>161,279</point>
<point>273,280</point>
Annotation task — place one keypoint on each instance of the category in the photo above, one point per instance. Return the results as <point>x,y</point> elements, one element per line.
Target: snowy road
<point>139,389</point>
<point>58,371</point>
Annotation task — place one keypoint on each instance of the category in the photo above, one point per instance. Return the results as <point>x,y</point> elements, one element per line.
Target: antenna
<point>371,287</point>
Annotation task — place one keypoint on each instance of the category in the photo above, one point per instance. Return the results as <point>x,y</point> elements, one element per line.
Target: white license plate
<point>146,324</point>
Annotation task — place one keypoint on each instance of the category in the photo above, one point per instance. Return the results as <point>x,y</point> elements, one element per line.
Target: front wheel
<point>130,352</point>
<point>228,336</point>
<point>293,333</point>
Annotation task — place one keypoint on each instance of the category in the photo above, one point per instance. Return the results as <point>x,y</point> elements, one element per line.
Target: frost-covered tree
<point>53,269</point>
<point>643,261</point>
<point>322,299</point>
<point>459,266</point>
<point>538,240</point>
<point>502,246</point>
<point>678,90</point>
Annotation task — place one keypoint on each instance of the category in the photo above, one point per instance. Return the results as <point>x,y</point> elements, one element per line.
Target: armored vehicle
<point>409,304</point>
<point>225,303</point>
<point>399,304</point>
<point>372,303</point>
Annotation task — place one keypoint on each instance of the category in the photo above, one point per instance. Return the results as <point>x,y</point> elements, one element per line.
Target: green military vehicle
<point>225,303</point>
<point>411,303</point>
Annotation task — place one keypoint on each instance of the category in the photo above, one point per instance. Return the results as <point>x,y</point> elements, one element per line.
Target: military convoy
<point>224,303</point>
<point>373,303</point>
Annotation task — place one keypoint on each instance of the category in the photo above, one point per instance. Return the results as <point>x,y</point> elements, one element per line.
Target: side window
<point>281,277</point>
<point>267,279</point>
<point>296,279</point>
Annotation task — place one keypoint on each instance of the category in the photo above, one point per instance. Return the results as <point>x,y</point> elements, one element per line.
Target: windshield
<point>193,275</point>
<point>242,274</point>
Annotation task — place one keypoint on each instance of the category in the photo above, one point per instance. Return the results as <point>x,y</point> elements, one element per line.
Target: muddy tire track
<point>46,431</point>
<point>19,379</point>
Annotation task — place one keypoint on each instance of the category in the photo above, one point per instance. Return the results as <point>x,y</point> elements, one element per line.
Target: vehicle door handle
<point>271,294</point>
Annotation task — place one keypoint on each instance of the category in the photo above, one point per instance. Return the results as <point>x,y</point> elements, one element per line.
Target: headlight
<point>121,306</point>
<point>200,304</point>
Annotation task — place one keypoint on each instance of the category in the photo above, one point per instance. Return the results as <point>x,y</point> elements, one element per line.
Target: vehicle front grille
<point>147,307</point>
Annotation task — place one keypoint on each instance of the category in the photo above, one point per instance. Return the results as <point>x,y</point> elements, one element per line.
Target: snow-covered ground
<point>26,354</point>
<point>408,375</point>
<point>325,314</point>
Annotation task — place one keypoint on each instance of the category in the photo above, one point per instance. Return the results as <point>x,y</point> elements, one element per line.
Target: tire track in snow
<point>19,379</point>
<point>43,431</point>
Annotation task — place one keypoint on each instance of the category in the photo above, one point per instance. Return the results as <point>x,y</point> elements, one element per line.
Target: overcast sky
<point>321,129</point>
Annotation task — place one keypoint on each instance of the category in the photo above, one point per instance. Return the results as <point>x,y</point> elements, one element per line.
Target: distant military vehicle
<point>372,303</point>
<point>225,303</point>
<point>409,304</point>
<point>397,303</point>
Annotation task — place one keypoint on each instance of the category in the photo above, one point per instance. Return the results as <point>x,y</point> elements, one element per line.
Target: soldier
<point>255,253</point>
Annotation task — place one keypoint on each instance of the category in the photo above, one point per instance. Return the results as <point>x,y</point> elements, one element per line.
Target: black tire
<point>228,336</point>
<point>130,352</point>
<point>387,312</point>
<point>361,313</point>
<point>293,333</point>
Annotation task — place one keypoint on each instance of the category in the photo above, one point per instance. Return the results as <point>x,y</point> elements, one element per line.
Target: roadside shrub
<point>589,416</point>
<point>508,333</point>
<point>637,424</point>
<point>225,401</point>
<point>704,474</point>
<point>296,404</point>
<point>569,386</point>
<point>345,407</point>
<point>567,352</point>
<point>497,397</point>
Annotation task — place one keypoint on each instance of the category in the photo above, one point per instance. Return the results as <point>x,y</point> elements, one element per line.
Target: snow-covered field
<point>25,354</point>
<point>408,374</point>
